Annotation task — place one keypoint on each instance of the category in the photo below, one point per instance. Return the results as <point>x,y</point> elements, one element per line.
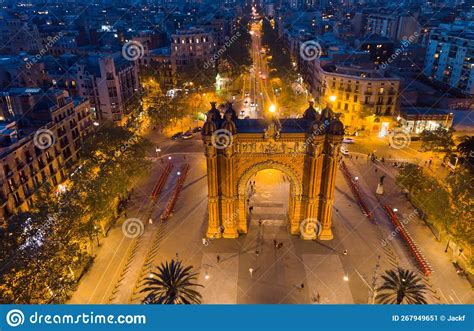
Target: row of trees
<point>44,249</point>
<point>448,205</point>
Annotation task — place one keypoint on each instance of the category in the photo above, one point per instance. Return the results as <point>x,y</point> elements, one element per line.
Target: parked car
<point>197,129</point>
<point>344,151</point>
<point>177,136</point>
<point>187,135</point>
<point>348,140</point>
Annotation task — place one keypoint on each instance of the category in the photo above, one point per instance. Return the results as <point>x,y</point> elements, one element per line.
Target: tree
<point>466,149</point>
<point>460,185</point>
<point>172,284</point>
<point>401,286</point>
<point>438,140</point>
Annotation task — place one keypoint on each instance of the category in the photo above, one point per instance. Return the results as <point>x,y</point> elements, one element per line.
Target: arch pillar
<point>332,148</point>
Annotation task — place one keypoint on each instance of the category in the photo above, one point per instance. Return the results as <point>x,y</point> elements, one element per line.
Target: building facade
<point>367,99</point>
<point>111,84</point>
<point>191,48</point>
<point>450,56</point>
<point>43,152</point>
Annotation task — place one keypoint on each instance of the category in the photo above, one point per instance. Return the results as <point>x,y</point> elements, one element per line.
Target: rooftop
<point>288,125</point>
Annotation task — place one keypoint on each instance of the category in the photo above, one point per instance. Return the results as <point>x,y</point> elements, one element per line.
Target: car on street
<point>344,151</point>
<point>187,135</point>
<point>177,136</point>
<point>348,140</point>
<point>197,129</point>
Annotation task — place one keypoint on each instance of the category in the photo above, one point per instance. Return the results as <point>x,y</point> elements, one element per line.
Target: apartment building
<point>191,48</point>
<point>396,27</point>
<point>450,56</point>
<point>41,147</point>
<point>366,98</point>
<point>110,83</point>
<point>18,35</point>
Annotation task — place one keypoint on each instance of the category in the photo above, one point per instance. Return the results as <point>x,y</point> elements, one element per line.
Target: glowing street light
<point>272,108</point>
<point>332,98</point>
<point>345,278</point>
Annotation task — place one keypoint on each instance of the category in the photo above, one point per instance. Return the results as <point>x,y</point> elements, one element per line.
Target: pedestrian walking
<point>257,252</point>
<point>150,221</point>
<point>345,252</point>
<point>218,259</point>
<point>275,243</point>
<point>250,209</point>
<point>389,145</point>
<point>177,256</point>
<point>375,169</point>
<point>260,222</point>
<point>251,271</point>
<point>302,286</point>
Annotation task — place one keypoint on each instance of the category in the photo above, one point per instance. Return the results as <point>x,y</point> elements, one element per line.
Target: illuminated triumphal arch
<point>305,149</point>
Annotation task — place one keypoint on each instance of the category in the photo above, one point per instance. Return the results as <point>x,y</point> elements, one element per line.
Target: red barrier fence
<point>177,190</point>
<point>160,184</point>
<point>355,192</point>
<point>414,249</point>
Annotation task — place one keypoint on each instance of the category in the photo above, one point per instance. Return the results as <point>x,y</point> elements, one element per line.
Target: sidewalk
<point>448,285</point>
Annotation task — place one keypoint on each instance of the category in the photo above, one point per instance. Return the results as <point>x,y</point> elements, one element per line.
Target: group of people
<point>277,245</point>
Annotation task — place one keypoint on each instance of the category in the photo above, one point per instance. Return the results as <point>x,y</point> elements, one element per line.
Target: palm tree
<point>401,286</point>
<point>171,284</point>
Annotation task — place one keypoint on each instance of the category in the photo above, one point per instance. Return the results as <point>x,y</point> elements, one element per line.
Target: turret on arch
<point>305,149</point>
